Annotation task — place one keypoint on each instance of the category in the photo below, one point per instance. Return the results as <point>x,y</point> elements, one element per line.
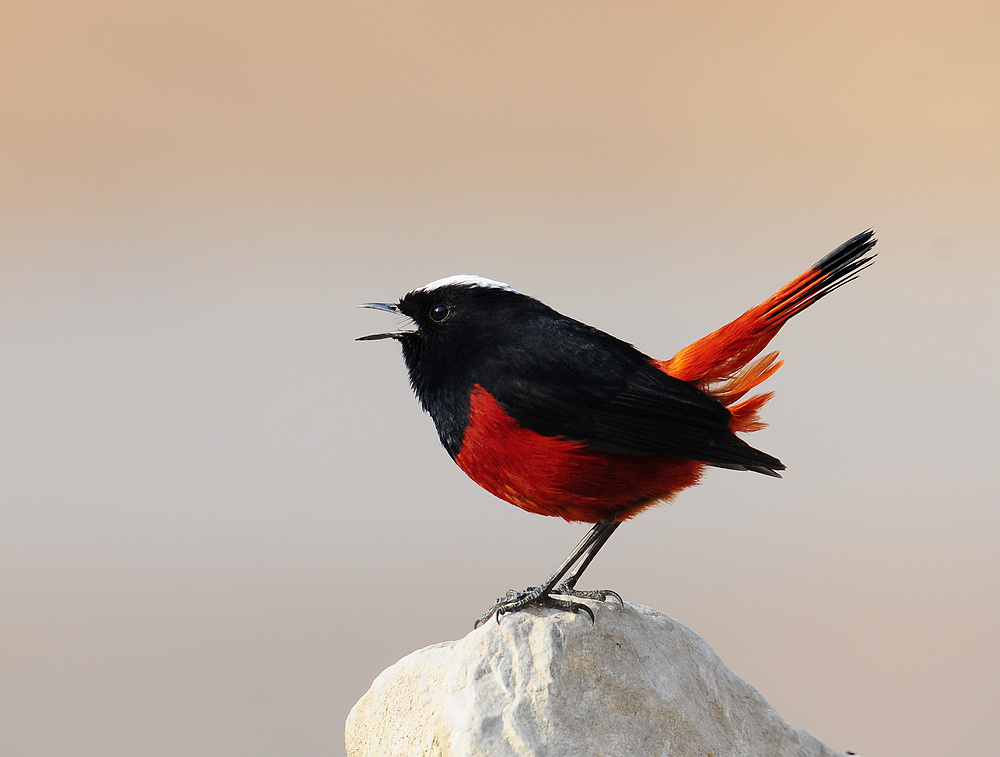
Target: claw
<point>616,595</point>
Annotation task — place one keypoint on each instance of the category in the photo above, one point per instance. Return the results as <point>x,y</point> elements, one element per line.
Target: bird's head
<point>450,322</point>
<point>450,311</point>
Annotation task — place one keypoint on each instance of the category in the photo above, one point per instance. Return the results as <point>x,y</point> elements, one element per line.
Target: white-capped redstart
<point>560,418</point>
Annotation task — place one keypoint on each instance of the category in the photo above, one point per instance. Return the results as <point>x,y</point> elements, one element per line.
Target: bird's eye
<point>439,313</point>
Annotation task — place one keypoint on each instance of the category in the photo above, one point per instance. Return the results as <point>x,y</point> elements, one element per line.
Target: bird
<point>562,419</point>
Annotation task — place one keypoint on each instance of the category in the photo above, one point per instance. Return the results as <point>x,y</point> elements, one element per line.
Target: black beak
<point>389,308</point>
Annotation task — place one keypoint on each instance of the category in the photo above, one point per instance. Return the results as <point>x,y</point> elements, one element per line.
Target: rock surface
<point>546,682</point>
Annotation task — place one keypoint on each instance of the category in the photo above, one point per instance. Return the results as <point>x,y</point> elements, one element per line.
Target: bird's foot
<point>601,595</point>
<point>536,596</point>
<point>533,596</point>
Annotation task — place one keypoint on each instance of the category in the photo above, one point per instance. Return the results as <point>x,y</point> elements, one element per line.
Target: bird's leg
<point>568,586</point>
<point>540,595</point>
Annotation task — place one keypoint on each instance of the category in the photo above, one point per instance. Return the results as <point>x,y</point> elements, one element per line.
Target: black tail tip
<point>850,257</point>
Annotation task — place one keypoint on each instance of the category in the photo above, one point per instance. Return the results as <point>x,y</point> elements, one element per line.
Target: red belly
<point>553,476</point>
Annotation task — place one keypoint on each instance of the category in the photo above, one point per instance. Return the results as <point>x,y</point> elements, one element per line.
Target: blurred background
<point>221,517</point>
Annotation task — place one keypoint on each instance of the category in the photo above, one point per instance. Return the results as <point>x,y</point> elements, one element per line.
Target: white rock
<point>550,683</point>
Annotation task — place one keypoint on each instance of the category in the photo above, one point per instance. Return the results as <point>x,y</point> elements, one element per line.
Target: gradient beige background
<point>221,518</point>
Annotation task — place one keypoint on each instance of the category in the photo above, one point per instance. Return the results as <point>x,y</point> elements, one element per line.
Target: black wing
<point>574,381</point>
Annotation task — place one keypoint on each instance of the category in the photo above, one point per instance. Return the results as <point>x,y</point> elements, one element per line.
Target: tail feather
<point>722,364</point>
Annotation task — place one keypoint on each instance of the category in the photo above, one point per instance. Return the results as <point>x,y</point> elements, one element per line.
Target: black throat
<point>442,390</point>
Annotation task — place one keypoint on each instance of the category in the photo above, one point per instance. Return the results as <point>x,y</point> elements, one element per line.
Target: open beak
<point>389,308</point>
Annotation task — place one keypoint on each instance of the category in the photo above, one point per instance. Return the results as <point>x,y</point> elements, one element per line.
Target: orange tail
<point>723,363</point>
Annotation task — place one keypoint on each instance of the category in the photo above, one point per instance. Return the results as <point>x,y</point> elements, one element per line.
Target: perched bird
<point>561,419</point>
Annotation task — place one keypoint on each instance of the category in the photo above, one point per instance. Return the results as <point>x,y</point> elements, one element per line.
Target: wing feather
<point>605,394</point>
